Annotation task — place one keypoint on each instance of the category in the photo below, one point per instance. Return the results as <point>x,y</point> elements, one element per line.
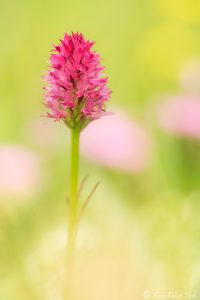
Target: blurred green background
<point>141,230</point>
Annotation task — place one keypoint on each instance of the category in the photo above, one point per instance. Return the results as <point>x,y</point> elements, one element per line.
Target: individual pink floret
<point>117,142</point>
<point>76,90</point>
<point>180,116</point>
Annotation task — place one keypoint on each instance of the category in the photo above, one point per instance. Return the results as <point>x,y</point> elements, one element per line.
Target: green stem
<point>73,203</point>
<point>72,213</point>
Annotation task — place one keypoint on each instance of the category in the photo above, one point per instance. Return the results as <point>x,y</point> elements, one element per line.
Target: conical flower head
<point>76,91</point>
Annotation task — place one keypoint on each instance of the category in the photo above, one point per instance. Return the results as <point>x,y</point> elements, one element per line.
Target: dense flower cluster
<point>76,91</point>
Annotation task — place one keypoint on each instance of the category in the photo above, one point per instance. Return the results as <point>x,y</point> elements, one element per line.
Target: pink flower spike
<point>75,92</point>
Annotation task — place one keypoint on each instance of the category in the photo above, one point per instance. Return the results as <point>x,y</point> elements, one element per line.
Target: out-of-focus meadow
<point>141,230</point>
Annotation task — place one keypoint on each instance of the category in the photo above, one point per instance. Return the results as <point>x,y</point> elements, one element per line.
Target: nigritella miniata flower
<point>75,92</point>
<point>76,89</point>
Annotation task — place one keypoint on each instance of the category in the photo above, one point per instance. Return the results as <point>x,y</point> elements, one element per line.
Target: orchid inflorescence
<point>76,92</point>
<point>76,89</point>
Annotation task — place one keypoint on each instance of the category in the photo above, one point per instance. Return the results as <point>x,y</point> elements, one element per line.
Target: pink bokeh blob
<point>180,115</point>
<point>117,142</point>
<point>20,172</point>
